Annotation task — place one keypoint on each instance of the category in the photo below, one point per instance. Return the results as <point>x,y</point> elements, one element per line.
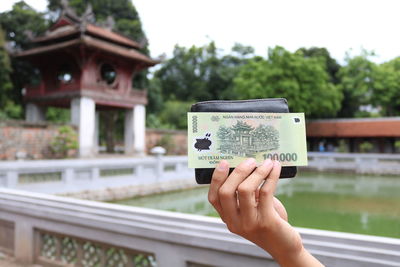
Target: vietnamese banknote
<point>213,137</point>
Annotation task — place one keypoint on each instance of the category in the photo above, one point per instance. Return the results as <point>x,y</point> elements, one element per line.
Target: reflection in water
<point>342,184</point>
<point>192,201</point>
<point>339,202</point>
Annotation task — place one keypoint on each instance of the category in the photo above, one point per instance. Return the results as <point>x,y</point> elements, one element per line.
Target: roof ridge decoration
<point>87,18</point>
<point>69,12</point>
<point>108,24</point>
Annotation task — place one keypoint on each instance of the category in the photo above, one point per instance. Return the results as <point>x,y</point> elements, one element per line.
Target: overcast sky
<point>338,25</point>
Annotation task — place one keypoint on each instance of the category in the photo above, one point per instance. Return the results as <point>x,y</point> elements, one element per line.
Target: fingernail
<point>267,162</point>
<point>223,165</point>
<point>276,163</point>
<point>250,161</point>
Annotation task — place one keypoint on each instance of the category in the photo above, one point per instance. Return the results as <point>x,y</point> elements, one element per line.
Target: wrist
<point>283,242</point>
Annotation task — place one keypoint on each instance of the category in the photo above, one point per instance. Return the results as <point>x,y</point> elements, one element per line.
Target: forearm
<point>302,259</point>
<point>245,201</point>
<point>284,244</point>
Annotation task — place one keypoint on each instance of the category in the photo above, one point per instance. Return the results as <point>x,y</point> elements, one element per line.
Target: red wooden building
<point>88,68</point>
<point>351,134</point>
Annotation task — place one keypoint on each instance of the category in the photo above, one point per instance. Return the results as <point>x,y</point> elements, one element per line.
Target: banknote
<point>213,137</point>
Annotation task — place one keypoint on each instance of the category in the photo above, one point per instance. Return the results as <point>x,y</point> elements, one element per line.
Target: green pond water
<point>339,202</point>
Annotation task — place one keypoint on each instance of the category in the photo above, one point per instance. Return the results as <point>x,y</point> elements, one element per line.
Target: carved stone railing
<point>73,175</point>
<point>58,231</point>
<point>56,249</point>
<point>364,163</point>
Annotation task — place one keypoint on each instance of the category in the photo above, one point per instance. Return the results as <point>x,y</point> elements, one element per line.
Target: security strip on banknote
<point>214,136</point>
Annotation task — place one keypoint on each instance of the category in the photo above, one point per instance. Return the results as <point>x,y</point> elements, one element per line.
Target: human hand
<point>245,201</point>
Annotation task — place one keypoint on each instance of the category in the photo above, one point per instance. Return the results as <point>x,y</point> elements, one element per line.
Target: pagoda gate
<point>88,68</point>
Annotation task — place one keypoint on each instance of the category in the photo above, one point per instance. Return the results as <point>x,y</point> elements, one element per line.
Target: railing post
<point>11,179</point>
<point>68,175</point>
<point>159,152</point>
<point>95,173</point>
<point>167,256</point>
<point>24,242</point>
<point>159,167</point>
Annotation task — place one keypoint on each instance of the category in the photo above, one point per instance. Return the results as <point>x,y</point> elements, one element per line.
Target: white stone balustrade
<point>77,175</point>
<point>73,176</point>
<point>363,163</point>
<point>57,231</point>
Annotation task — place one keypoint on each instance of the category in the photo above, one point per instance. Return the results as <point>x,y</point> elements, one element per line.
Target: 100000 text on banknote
<point>213,137</point>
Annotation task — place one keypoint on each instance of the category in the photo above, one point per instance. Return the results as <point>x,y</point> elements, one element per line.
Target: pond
<point>339,202</point>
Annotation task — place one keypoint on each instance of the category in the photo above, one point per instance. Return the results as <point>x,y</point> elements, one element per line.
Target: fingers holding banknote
<point>246,203</point>
<point>244,199</point>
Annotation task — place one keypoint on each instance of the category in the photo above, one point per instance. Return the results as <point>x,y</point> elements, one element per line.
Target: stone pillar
<point>96,132</point>
<point>35,113</point>
<point>83,116</point>
<point>135,120</point>
<point>24,242</point>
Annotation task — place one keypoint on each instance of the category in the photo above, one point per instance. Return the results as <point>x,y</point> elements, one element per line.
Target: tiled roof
<point>111,48</point>
<point>374,127</point>
<point>90,29</point>
<point>110,35</point>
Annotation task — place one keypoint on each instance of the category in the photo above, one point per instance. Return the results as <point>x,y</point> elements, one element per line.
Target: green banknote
<point>213,137</point>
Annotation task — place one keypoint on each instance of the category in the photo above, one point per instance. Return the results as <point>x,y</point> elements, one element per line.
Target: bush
<point>175,114</point>
<point>167,142</point>
<point>342,148</point>
<point>366,147</point>
<point>397,145</point>
<point>65,143</point>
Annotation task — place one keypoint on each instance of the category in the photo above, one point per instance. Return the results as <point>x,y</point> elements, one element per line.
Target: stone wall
<point>20,139</point>
<point>174,141</point>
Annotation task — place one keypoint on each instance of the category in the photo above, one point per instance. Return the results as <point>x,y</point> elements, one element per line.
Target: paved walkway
<point>6,261</point>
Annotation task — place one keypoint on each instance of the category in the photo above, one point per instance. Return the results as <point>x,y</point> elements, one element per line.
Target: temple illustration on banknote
<point>242,139</point>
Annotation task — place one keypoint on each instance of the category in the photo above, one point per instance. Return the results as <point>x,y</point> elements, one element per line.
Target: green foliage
<point>356,84</point>
<point>303,81</point>
<point>342,148</point>
<point>366,147</point>
<point>155,97</point>
<point>153,121</point>
<point>10,110</point>
<point>175,114</point>
<point>5,82</point>
<point>331,65</point>
<point>386,88</point>
<point>200,73</point>
<point>397,145</point>
<point>64,144</point>
<point>20,20</point>
<point>167,142</point>
<point>16,23</point>
<point>58,115</point>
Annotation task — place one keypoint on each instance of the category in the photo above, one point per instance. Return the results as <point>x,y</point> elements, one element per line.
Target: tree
<point>175,114</point>
<point>8,108</point>
<point>5,70</point>
<point>19,23</point>
<point>356,84</point>
<point>201,73</point>
<point>331,65</point>
<point>195,74</point>
<point>386,88</point>
<point>303,81</point>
